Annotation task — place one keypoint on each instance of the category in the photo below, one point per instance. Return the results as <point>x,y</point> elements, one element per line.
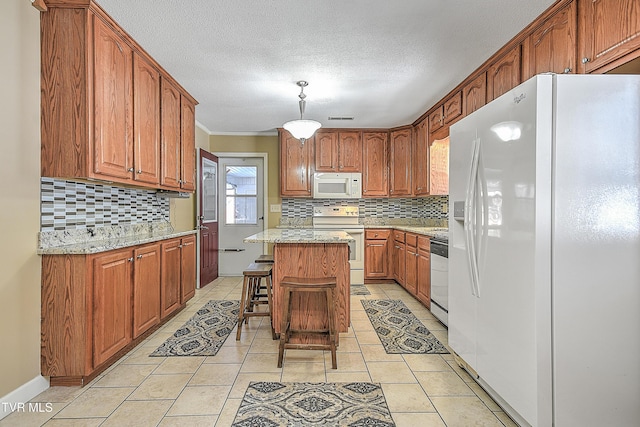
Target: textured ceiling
<point>383,62</point>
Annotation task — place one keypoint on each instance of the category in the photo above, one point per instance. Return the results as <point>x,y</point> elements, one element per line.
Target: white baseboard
<point>23,394</point>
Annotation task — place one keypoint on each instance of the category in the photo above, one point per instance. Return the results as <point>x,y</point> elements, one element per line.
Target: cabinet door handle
<point>130,170</point>
<point>567,70</point>
<point>139,171</point>
<point>585,60</point>
<point>139,256</point>
<point>180,246</point>
<point>130,259</point>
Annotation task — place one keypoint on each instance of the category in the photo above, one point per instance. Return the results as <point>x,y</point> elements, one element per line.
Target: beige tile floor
<point>421,390</point>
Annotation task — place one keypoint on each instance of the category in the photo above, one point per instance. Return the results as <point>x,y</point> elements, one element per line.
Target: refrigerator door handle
<point>470,218</point>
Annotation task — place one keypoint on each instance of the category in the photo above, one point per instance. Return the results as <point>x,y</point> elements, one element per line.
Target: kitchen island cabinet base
<point>310,311</point>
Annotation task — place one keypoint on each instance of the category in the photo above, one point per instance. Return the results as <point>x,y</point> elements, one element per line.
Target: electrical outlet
<point>275,208</point>
<point>445,208</point>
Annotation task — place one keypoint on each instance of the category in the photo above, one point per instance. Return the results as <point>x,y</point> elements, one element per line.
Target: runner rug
<point>204,333</point>
<point>399,330</point>
<point>359,290</point>
<point>276,404</point>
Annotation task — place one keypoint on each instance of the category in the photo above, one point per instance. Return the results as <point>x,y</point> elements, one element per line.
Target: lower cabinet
<point>178,278</point>
<point>376,254</point>
<point>399,257</point>
<point>423,267</point>
<point>411,263</point>
<point>95,307</point>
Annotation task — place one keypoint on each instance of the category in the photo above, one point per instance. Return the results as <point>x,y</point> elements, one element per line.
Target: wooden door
<point>208,217</point>
<point>400,163</point>
<point>375,170</point>
<point>610,33</point>
<point>188,144</point>
<point>111,306</point>
<point>552,47</point>
<point>113,99</point>
<point>146,121</point>
<point>170,277</point>
<point>170,135</point>
<point>326,151</point>
<point>423,289</point>
<point>474,94</point>
<point>146,288</point>
<point>421,159</point>
<point>350,151</point>
<point>504,74</point>
<point>188,269</point>
<point>376,254</point>
<point>295,166</point>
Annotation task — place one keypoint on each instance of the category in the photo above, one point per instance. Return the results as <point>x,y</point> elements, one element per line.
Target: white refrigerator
<point>544,249</point>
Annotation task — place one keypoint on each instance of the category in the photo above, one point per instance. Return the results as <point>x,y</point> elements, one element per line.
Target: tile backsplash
<point>433,207</point>
<point>70,205</point>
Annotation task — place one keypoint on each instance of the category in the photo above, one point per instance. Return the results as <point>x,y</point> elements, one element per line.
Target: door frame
<point>265,182</point>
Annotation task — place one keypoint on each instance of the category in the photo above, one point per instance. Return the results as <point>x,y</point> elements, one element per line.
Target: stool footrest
<point>308,346</point>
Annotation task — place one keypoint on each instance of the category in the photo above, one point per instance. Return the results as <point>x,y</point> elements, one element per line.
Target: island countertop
<point>299,235</point>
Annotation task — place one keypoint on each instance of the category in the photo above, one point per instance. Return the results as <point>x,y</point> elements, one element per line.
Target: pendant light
<point>302,129</point>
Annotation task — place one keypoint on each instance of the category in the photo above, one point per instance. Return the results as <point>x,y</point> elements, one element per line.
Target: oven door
<point>356,254</point>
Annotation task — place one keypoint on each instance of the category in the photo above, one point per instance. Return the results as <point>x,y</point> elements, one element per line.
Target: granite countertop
<point>103,239</point>
<point>299,235</point>
<point>438,232</point>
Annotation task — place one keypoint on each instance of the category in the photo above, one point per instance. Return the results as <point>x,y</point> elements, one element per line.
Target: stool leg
<point>284,325</point>
<point>243,303</point>
<point>270,303</point>
<point>332,328</point>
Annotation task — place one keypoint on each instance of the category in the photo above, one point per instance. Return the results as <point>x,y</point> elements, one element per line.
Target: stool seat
<point>326,285</point>
<point>264,258</point>
<point>251,285</point>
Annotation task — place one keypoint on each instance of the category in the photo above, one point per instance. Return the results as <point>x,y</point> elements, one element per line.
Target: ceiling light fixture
<point>302,129</point>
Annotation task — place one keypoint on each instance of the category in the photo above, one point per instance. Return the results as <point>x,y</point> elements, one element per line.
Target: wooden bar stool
<point>253,276</point>
<point>325,285</point>
<point>264,258</point>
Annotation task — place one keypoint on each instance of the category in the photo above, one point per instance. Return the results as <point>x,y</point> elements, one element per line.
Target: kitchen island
<point>309,253</point>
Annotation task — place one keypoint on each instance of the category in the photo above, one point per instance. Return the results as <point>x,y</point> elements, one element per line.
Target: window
<point>241,195</point>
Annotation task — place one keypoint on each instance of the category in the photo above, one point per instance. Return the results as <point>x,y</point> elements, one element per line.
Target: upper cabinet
<point>400,163</point>
<point>439,167</point>
<point>295,165</point>
<point>552,46</point>
<point>421,158</point>
<point>188,143</point>
<point>375,164</point>
<point>504,74</point>
<point>338,151</point>
<point>101,101</point>
<point>474,94</point>
<point>609,33</point>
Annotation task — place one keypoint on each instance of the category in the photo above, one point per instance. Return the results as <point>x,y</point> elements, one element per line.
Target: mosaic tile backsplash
<point>434,207</point>
<point>69,205</point>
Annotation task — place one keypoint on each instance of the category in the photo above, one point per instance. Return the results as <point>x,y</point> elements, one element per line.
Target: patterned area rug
<point>274,404</point>
<point>204,333</point>
<point>399,330</point>
<point>359,290</point>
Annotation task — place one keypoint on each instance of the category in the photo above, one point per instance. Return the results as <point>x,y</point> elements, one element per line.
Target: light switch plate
<point>275,208</point>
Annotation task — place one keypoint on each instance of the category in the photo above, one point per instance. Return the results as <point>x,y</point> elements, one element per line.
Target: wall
<point>255,144</point>
<point>183,211</point>
<point>19,196</point>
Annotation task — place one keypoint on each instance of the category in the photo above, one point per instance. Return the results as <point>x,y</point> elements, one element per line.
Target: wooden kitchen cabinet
<point>338,151</point>
<point>111,308</point>
<point>399,257</point>
<point>439,167</point>
<point>375,164</point>
<point>187,144</point>
<point>411,263</point>
<point>400,163</point>
<point>295,165</point>
<point>146,121</point>
<point>376,253</point>
<point>423,267</point>
<point>504,74</point>
<point>146,289</point>
<point>421,159</point>
<point>187,269</point>
<point>609,33</point>
<point>170,147</point>
<point>474,94</point>
<point>552,46</point>
<point>101,103</point>
<point>170,277</point>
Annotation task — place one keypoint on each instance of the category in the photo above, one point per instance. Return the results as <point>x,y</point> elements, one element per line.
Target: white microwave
<point>340,185</point>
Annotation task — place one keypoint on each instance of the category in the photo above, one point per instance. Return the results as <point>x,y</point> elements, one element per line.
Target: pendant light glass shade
<point>302,129</point>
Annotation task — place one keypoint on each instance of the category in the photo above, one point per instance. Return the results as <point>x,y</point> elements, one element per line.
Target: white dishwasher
<point>440,279</point>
